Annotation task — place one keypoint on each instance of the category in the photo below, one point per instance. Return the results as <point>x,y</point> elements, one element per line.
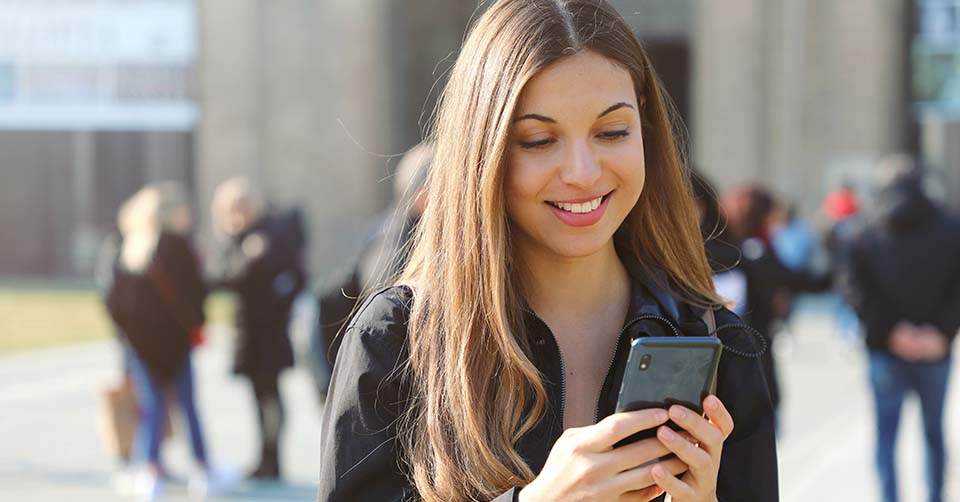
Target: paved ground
<point>826,446</point>
<point>51,452</point>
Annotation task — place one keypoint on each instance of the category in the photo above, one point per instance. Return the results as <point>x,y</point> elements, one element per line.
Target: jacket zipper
<point>613,358</point>
<point>563,371</point>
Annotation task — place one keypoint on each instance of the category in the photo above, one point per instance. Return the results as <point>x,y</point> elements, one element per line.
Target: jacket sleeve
<point>359,450</point>
<point>946,316</point>
<point>748,465</point>
<point>878,314</point>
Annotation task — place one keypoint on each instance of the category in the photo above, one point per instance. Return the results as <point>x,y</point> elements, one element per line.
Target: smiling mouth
<point>582,207</point>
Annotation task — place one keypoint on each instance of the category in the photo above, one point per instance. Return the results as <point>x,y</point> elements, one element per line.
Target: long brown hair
<point>474,390</point>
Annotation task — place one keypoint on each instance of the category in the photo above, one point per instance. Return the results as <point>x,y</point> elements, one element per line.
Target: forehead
<point>578,83</point>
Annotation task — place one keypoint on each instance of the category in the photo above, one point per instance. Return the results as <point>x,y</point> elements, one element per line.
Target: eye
<point>537,145</point>
<point>612,136</point>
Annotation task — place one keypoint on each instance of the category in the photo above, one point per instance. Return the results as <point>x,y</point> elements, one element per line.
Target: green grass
<point>33,316</point>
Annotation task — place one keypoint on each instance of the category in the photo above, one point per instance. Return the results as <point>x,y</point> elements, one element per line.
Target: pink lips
<point>581,219</point>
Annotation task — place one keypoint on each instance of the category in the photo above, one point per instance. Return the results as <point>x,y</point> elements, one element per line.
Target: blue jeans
<point>891,378</point>
<point>152,399</point>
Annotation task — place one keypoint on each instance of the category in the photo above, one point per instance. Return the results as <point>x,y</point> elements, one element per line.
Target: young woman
<point>558,226</point>
<point>156,297</point>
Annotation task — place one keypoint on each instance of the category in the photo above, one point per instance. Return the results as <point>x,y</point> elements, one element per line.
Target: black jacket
<point>157,310</point>
<point>905,265</point>
<point>263,265</point>
<point>359,448</point>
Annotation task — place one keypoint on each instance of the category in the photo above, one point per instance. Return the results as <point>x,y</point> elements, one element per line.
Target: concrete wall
<point>794,92</point>
<point>315,100</point>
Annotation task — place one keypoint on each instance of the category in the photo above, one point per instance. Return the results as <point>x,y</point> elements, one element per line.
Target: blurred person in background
<point>156,297</point>
<point>558,227</point>
<point>384,254</point>
<point>842,209</point>
<point>793,239</point>
<point>905,286</point>
<point>753,218</point>
<point>729,278</point>
<point>262,262</point>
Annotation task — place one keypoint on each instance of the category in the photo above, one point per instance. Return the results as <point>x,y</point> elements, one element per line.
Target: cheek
<point>523,182</point>
<point>631,169</point>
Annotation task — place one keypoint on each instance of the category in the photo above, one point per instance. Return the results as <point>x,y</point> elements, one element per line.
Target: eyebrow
<point>535,116</point>
<point>615,108</point>
<point>542,118</point>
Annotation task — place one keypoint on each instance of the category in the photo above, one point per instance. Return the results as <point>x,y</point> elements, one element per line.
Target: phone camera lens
<point>645,362</point>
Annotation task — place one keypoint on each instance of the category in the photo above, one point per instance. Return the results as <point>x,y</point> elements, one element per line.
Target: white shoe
<point>148,486</point>
<point>212,482</point>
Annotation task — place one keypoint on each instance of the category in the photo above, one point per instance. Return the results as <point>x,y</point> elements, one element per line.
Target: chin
<point>578,247</point>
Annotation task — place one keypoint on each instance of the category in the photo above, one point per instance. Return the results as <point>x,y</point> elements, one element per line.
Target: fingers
<point>646,495</point>
<point>709,436</point>
<point>618,426</point>
<point>718,414</point>
<point>642,477</point>
<point>697,459</point>
<point>635,454</point>
<point>671,484</point>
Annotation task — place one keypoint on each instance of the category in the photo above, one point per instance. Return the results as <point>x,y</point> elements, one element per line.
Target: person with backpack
<point>262,262</point>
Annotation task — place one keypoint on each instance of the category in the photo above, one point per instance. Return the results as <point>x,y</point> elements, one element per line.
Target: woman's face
<point>575,165</point>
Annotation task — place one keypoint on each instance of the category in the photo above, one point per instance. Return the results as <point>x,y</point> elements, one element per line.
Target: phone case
<point>663,371</point>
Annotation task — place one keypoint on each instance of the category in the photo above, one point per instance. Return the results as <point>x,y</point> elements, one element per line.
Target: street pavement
<point>826,430</point>
<point>51,450</point>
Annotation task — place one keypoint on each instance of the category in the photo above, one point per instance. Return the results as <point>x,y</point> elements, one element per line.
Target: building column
<point>729,74</point>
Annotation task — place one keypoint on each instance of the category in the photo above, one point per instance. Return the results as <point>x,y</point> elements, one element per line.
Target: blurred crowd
<point>891,254</point>
<point>154,289</point>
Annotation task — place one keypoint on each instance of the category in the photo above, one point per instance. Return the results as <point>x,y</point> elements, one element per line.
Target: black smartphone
<point>663,371</point>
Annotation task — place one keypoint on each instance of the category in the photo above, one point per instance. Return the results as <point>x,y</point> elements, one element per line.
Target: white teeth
<point>584,207</point>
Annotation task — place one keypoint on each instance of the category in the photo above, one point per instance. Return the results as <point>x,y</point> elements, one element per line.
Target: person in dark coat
<point>904,284</point>
<point>751,217</point>
<point>262,262</point>
<point>155,295</point>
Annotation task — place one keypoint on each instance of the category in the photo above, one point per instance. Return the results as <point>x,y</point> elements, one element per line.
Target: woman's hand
<point>584,466</point>
<point>699,484</point>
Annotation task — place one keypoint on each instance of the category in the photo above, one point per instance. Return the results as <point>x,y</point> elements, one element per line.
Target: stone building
<point>316,100</point>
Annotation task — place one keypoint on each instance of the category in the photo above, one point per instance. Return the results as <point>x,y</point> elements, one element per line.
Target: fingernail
<point>662,415</point>
<point>657,471</point>
<point>677,412</point>
<point>667,434</point>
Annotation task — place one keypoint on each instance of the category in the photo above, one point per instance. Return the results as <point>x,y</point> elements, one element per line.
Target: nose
<point>581,168</point>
